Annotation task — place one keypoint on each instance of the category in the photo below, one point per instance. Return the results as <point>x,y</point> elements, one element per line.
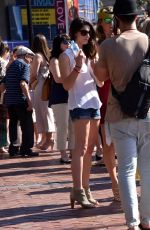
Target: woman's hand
<point>80,59</point>
<point>93,62</point>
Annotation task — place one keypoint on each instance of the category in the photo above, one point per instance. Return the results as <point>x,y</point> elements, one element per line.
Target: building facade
<point>4,25</point>
<point>49,17</point>
<point>88,9</point>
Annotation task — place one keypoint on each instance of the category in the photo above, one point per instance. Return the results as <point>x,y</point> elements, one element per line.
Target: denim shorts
<point>80,113</point>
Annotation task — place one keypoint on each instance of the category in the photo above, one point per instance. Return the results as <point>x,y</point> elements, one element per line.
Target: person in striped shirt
<point>18,102</point>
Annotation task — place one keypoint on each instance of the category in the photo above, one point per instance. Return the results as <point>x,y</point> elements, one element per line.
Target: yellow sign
<point>40,16</point>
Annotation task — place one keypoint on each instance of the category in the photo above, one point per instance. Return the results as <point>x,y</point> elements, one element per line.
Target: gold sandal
<point>48,144</point>
<point>116,194</point>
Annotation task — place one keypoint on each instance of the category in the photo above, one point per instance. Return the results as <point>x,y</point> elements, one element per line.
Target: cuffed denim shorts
<point>79,113</point>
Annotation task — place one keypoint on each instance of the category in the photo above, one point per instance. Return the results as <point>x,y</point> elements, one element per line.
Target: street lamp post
<point>29,18</point>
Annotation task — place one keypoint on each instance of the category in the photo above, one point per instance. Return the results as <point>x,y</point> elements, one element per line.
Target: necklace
<point>128,30</point>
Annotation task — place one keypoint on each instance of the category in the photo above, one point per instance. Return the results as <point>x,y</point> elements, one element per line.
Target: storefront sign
<point>43,2</point>
<point>60,16</point>
<point>39,3</point>
<point>42,16</point>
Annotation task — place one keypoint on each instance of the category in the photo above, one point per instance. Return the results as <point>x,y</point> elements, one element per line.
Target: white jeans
<point>131,138</point>
<point>64,126</point>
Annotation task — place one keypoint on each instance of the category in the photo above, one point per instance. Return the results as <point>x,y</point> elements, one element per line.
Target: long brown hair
<point>100,32</point>
<point>90,48</point>
<point>56,47</point>
<point>40,45</point>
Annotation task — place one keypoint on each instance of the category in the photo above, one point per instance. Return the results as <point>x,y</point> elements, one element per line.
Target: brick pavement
<point>34,194</point>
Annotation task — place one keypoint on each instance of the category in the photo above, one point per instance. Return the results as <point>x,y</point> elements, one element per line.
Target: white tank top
<point>83,94</point>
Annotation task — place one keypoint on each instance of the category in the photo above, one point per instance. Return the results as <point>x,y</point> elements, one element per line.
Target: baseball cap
<point>22,50</point>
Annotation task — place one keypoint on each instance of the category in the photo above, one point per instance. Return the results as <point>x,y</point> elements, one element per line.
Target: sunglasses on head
<point>85,32</point>
<point>107,20</point>
<point>66,42</point>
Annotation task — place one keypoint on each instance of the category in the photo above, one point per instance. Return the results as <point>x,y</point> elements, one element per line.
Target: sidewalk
<point>34,195</point>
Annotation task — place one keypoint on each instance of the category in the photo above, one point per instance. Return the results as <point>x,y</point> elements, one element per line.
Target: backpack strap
<point>114,92</point>
<point>148,51</point>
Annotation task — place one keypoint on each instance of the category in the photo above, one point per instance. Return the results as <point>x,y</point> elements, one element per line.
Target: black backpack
<point>135,99</point>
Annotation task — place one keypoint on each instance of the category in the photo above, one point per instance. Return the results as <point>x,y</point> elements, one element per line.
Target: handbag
<point>46,88</point>
<point>34,84</point>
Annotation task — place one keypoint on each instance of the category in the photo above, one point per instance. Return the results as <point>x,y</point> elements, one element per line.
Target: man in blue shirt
<point>18,102</point>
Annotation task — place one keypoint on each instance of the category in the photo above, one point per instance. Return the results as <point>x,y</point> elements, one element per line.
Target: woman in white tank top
<point>84,106</point>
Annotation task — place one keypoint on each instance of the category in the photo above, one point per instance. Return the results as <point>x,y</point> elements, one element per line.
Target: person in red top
<point>104,31</point>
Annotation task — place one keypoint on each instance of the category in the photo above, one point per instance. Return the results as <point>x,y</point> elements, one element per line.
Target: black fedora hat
<point>125,7</point>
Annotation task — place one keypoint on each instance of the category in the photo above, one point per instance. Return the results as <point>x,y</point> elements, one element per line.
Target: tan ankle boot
<point>90,197</point>
<point>79,196</point>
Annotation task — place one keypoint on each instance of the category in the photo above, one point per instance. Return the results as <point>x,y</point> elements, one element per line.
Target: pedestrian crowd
<point>68,90</point>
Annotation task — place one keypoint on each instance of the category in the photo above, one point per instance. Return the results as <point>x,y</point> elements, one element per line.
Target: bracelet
<point>76,66</point>
<point>78,71</point>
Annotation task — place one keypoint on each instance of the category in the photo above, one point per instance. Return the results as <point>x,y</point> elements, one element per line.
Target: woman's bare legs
<point>85,137</point>
<point>93,135</point>
<point>49,141</point>
<point>36,134</point>
<point>109,160</point>
<point>7,130</point>
<point>81,132</point>
<point>99,151</point>
<point>42,140</point>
